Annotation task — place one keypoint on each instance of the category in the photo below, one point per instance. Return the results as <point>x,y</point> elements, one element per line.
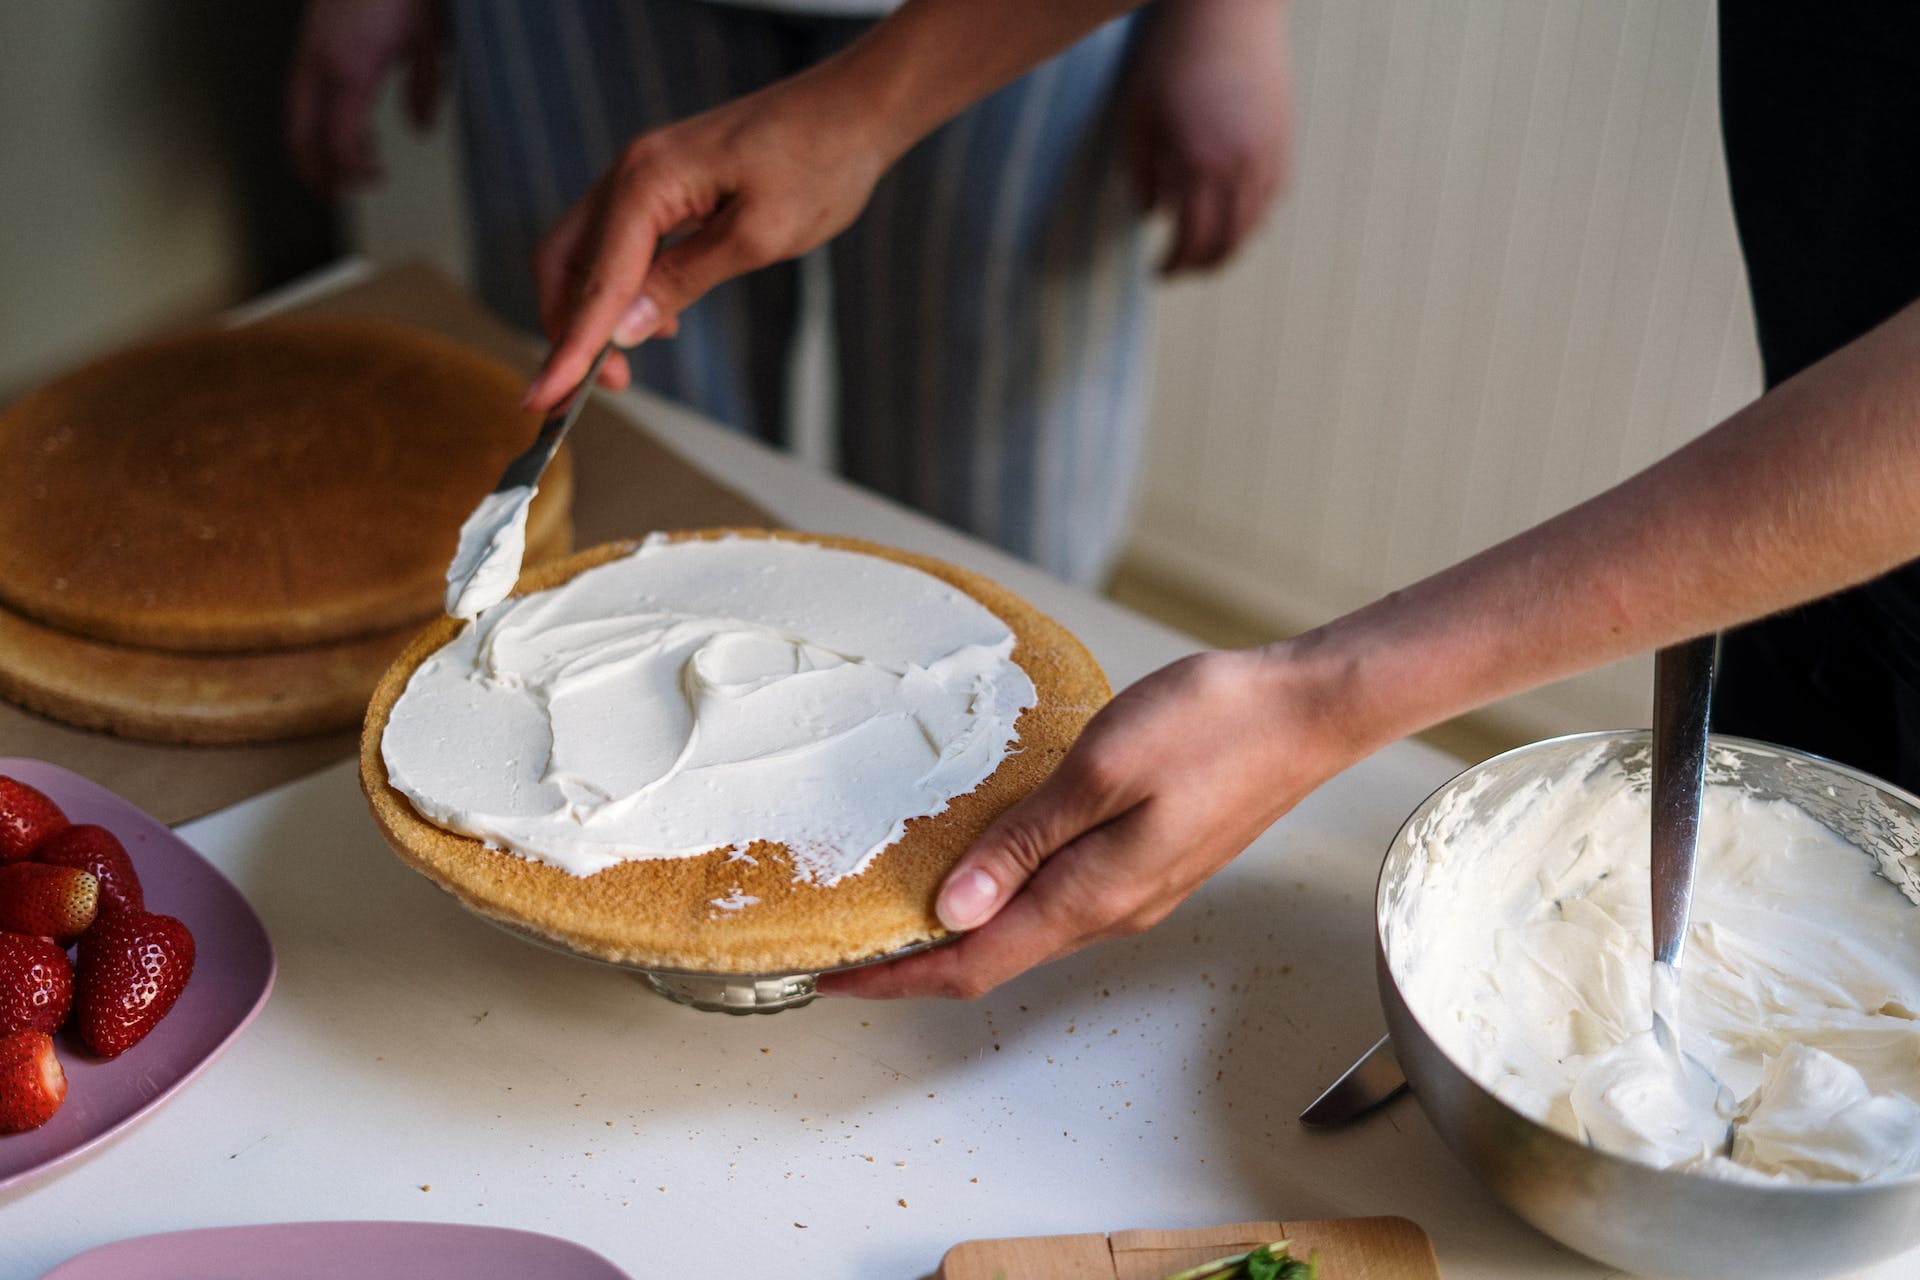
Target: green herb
<point>1268,1262</point>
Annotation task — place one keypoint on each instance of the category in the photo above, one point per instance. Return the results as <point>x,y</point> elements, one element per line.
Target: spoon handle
<point>1682,692</point>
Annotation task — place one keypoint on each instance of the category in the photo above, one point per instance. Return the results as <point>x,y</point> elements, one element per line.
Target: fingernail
<point>967,900</point>
<point>638,324</point>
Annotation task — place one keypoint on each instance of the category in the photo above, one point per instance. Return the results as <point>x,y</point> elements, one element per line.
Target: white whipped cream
<point>702,695</point>
<point>1525,949</point>
<point>1648,1100</point>
<point>493,542</point>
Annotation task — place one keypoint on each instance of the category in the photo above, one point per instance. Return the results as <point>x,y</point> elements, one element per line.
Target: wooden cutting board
<point>1350,1249</point>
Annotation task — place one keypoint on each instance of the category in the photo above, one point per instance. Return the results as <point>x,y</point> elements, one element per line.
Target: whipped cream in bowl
<point>1514,950</point>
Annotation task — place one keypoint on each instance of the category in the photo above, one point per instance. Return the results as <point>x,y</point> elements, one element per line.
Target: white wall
<point>1505,278</point>
<point>119,218</point>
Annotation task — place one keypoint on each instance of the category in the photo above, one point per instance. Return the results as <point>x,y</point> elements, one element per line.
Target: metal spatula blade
<point>493,539</point>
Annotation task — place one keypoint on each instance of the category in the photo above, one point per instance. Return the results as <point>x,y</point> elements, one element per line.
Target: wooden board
<point>1350,1249</point>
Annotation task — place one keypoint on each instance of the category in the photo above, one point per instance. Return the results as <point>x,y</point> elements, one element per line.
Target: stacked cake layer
<point>226,535</point>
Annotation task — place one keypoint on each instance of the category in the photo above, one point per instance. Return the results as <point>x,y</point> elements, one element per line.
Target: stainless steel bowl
<point>1623,1213</point>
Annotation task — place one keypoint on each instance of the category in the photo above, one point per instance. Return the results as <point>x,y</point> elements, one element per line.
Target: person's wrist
<point>1319,680</point>
<point>874,97</point>
<point>1224,15</point>
<point>930,60</point>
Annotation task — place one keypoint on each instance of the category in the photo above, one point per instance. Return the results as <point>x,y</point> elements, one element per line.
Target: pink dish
<point>232,974</point>
<point>363,1250</point>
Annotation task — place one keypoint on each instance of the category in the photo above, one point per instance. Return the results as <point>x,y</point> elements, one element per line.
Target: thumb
<point>1008,853</point>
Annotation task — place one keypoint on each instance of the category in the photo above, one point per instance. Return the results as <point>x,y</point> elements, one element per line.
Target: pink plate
<point>363,1250</point>
<point>232,974</point>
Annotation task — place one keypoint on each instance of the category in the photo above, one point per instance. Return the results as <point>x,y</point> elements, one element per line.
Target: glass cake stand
<point>739,993</point>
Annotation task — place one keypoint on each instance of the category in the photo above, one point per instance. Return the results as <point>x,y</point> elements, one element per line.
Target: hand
<point>1207,122</point>
<point>760,179</point>
<point>345,50</point>
<point>1172,779</point>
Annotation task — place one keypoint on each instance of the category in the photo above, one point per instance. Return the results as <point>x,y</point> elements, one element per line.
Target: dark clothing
<point>1820,107</point>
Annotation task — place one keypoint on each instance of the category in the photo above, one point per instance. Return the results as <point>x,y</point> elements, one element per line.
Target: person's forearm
<point>930,59</point>
<point>771,175</point>
<point>1812,488</point>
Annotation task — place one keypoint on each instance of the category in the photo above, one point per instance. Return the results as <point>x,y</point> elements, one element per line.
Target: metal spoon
<point>1682,693</point>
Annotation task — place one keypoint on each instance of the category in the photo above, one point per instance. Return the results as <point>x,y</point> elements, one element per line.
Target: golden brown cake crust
<point>200,699</point>
<point>204,698</point>
<point>659,914</point>
<point>282,483</point>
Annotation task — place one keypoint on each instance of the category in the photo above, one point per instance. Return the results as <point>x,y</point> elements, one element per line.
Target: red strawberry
<point>99,853</point>
<point>133,966</point>
<point>36,984</point>
<point>26,818</point>
<point>32,1085</point>
<point>49,902</point>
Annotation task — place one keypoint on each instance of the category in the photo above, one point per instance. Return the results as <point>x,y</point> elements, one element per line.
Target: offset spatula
<point>493,541</point>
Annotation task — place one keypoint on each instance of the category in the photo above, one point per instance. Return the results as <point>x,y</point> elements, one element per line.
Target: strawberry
<point>32,1085</point>
<point>26,818</point>
<point>49,902</point>
<point>133,966</point>
<point>36,984</point>
<point>98,852</point>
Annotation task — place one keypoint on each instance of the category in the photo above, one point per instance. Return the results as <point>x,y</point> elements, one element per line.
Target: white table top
<point>416,1063</point>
